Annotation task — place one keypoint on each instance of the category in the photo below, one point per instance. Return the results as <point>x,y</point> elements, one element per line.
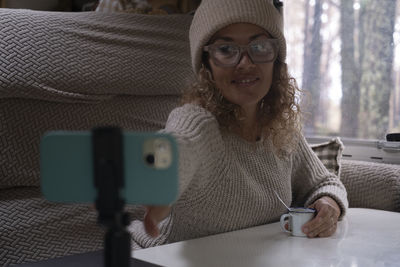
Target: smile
<point>245,81</point>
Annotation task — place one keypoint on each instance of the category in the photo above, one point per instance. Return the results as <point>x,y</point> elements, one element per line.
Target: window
<point>345,55</point>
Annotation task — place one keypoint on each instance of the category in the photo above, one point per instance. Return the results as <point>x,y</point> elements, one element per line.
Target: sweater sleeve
<point>311,180</point>
<point>199,140</point>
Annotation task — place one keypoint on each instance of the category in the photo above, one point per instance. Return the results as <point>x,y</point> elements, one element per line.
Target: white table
<point>365,238</point>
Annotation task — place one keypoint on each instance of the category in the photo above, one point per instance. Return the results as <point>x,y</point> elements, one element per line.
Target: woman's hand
<point>325,223</point>
<point>154,215</point>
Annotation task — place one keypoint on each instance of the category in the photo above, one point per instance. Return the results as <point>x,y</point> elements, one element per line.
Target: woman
<point>239,134</point>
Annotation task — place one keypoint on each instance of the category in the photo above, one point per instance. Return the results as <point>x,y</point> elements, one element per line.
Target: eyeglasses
<point>229,54</point>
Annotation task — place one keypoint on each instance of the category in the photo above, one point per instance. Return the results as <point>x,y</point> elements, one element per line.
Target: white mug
<point>297,217</point>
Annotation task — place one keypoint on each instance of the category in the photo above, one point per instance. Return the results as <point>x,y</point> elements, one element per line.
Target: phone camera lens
<point>150,159</point>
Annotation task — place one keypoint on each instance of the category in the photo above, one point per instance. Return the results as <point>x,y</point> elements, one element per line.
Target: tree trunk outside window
<point>350,78</point>
<point>376,67</point>
<point>311,70</point>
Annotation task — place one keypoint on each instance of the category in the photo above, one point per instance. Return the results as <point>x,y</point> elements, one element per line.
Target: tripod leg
<point>117,248</point>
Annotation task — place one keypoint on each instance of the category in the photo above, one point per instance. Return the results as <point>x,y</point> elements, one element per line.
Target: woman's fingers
<point>328,232</point>
<point>315,226</point>
<point>325,223</point>
<point>318,222</point>
<point>154,215</point>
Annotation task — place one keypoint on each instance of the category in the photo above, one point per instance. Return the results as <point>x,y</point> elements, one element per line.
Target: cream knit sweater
<point>227,183</point>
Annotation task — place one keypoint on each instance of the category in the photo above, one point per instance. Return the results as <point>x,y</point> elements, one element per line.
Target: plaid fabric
<point>330,153</point>
<point>159,7</point>
<point>120,5</point>
<point>109,6</point>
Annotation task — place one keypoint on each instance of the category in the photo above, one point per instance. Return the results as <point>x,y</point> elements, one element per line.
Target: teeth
<point>246,81</point>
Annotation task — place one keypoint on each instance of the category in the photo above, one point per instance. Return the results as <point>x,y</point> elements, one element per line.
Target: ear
<point>207,65</point>
<point>205,60</point>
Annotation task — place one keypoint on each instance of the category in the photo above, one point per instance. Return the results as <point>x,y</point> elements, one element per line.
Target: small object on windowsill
<point>393,137</point>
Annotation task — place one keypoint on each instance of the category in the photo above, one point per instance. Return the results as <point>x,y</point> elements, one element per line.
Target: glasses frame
<point>210,49</point>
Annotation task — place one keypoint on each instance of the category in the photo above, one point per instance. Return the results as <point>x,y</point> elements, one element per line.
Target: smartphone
<point>150,167</point>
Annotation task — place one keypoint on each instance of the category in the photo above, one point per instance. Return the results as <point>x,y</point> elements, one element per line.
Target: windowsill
<point>365,150</point>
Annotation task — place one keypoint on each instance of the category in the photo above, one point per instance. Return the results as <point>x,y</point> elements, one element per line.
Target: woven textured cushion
<point>330,153</point>
<point>23,122</point>
<point>368,184</point>
<point>88,56</point>
<point>75,71</point>
<point>33,229</point>
<point>372,185</point>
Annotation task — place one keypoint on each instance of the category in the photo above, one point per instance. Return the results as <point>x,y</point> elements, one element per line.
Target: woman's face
<point>246,83</point>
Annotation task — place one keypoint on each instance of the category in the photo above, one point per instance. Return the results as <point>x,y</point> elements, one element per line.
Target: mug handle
<point>284,218</point>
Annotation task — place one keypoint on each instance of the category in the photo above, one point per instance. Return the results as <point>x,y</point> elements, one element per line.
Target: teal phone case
<point>66,165</point>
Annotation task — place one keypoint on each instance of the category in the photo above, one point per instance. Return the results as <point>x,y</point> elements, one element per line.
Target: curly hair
<point>279,113</point>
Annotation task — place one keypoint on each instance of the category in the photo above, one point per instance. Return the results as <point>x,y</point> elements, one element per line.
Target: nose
<point>245,61</point>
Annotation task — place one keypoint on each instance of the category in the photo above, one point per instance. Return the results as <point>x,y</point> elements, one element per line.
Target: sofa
<point>76,71</point>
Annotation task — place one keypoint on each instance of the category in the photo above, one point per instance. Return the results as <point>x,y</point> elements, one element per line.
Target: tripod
<point>108,169</point>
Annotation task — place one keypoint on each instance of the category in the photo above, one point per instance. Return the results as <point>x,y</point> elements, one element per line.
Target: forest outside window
<point>345,55</point>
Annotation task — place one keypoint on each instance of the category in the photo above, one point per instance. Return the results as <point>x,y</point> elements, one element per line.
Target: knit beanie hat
<point>213,15</point>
